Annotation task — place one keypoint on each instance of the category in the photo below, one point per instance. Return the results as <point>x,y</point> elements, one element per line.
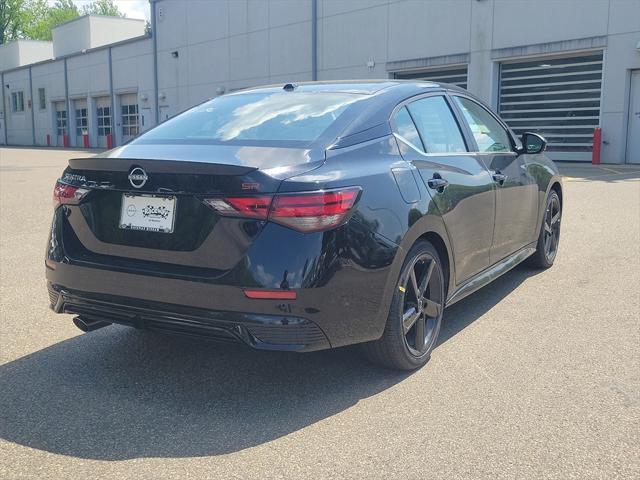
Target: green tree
<point>102,7</point>
<point>34,19</point>
<point>10,20</point>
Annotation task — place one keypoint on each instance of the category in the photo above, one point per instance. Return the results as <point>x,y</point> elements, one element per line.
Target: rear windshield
<point>254,118</point>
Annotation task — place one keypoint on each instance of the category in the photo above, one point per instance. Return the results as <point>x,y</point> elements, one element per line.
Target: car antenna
<point>289,87</point>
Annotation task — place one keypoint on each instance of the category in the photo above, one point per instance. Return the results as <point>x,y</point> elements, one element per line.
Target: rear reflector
<point>303,211</point>
<point>271,294</point>
<point>64,194</point>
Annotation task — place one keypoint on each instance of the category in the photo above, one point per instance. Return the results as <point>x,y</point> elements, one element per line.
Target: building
<point>558,67</point>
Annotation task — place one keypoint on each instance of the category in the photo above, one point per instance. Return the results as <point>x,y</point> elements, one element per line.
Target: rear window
<point>299,117</point>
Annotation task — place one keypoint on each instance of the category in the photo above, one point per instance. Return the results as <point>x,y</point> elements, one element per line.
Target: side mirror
<point>533,143</point>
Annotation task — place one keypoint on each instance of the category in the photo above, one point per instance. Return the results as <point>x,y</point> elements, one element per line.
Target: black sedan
<point>304,217</point>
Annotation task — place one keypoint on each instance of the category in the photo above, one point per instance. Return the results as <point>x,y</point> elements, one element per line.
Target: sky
<point>132,8</point>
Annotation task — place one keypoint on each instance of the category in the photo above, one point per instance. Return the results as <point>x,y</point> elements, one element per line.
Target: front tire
<point>549,237</point>
<point>415,315</point>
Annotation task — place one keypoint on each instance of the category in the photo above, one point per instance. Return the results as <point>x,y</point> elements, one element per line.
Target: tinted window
<point>257,117</point>
<point>439,131</point>
<point>406,128</point>
<point>489,134</point>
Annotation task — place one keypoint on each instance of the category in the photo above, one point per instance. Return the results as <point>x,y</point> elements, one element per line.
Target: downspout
<point>113,102</point>
<point>33,106</point>
<point>156,109</point>
<point>66,96</point>
<point>4,111</point>
<point>314,40</point>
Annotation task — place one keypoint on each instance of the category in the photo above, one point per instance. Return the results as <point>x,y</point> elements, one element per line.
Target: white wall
<point>92,31</point>
<point>24,52</point>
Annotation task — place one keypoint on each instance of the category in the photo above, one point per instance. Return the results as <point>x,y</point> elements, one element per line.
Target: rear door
<point>460,185</point>
<point>517,189</point>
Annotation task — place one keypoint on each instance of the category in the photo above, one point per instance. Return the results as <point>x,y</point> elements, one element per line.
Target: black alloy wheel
<point>549,236</point>
<point>415,316</point>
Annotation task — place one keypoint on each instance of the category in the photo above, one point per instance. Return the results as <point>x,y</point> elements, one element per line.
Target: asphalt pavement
<point>536,376</point>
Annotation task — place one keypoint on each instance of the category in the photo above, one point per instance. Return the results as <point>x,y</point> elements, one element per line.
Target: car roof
<point>363,87</point>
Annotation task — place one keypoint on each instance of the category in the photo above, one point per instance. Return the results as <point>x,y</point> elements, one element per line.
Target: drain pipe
<point>314,40</point>
<point>154,40</point>
<point>33,107</point>
<point>4,111</point>
<point>113,104</point>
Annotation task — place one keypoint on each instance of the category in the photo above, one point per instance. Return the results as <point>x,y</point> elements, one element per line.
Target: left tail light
<point>302,211</point>
<point>64,194</point>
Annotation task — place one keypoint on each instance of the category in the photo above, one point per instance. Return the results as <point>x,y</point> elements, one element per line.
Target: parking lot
<point>536,375</point>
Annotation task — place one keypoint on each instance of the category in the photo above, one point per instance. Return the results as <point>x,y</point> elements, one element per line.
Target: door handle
<point>437,183</point>
<point>499,177</point>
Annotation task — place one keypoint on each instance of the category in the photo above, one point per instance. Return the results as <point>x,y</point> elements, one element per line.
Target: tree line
<point>34,19</point>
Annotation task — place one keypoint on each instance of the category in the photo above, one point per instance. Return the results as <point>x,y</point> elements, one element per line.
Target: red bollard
<point>597,144</point>
<point>85,140</point>
<point>110,141</point>
<point>65,140</point>
<point>48,140</point>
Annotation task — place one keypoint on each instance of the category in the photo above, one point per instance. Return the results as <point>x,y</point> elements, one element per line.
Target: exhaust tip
<point>87,325</point>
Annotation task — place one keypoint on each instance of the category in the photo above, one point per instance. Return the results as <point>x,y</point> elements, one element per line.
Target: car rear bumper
<point>268,332</point>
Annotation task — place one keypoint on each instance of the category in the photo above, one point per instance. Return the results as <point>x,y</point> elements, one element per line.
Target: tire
<point>400,346</point>
<point>549,236</point>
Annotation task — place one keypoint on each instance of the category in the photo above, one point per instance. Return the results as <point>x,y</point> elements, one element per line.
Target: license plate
<point>151,213</point>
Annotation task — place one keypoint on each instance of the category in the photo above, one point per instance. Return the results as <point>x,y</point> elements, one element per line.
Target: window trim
<point>463,127</point>
<point>14,95</point>
<point>42,100</point>
<point>468,131</point>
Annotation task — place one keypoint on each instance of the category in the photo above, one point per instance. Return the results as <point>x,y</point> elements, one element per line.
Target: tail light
<point>64,194</point>
<point>304,211</point>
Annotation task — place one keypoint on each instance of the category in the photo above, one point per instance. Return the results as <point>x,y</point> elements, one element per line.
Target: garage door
<point>556,97</point>
<point>81,120</point>
<point>454,75</point>
<point>129,117</point>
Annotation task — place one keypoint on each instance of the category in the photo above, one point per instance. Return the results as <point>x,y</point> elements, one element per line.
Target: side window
<point>437,126</point>
<point>406,128</point>
<point>490,135</point>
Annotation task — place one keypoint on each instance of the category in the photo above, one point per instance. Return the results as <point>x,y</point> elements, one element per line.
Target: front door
<point>81,122</point>
<point>129,118</point>
<point>516,188</point>
<point>466,200</point>
<point>104,120</point>
<point>61,123</point>
<point>633,131</point>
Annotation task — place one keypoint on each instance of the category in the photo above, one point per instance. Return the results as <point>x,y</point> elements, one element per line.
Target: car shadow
<point>119,393</point>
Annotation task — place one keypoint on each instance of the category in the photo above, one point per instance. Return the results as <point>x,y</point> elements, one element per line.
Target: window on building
<point>17,101</point>
<point>130,125</point>
<point>438,129</point>
<point>489,134</point>
<point>42,99</point>
<point>555,97</point>
<point>453,75</point>
<point>61,122</point>
<point>104,121</point>
<point>81,121</point>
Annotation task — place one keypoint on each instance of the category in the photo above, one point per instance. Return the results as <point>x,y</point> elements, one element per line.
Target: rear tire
<point>549,236</point>
<point>415,314</point>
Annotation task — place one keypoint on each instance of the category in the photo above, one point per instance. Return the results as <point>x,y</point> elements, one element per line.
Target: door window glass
<point>437,126</point>
<point>61,122</point>
<point>406,128</point>
<point>104,121</point>
<point>130,126</point>
<point>489,134</point>
<point>81,121</point>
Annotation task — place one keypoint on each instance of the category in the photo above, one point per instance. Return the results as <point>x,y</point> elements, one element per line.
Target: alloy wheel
<point>422,304</point>
<point>552,228</point>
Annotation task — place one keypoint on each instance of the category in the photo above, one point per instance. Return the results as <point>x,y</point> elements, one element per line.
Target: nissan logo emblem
<point>138,177</point>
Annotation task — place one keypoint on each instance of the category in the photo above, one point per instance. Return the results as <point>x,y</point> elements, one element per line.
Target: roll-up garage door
<point>453,75</point>
<point>558,98</point>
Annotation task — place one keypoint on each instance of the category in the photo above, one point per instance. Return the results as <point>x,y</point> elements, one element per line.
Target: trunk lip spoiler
<point>118,164</point>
